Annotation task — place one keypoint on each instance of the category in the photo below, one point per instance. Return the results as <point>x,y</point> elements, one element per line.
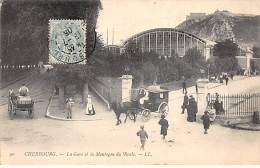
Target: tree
<point>133,52</point>
<point>152,57</point>
<point>150,73</point>
<point>193,57</point>
<point>227,48</point>
<point>226,64</point>
<point>256,52</point>
<point>25,28</point>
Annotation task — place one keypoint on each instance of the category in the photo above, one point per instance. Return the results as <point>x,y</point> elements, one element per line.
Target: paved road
<point>191,146</point>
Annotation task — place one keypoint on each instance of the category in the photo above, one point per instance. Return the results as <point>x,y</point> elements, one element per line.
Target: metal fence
<point>243,104</point>
<point>109,88</point>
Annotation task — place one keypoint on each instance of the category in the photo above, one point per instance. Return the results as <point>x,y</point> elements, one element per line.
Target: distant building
<point>167,42</point>
<point>196,16</point>
<point>114,49</point>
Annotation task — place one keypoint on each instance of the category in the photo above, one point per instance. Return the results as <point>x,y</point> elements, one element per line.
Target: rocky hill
<point>244,29</point>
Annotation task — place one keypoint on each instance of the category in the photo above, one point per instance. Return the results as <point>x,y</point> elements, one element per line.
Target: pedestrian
<point>232,75</point>
<point>90,107</point>
<point>69,105</point>
<point>206,121</point>
<point>184,86</point>
<point>143,135</point>
<point>185,103</point>
<point>220,79</point>
<point>226,80</point>
<point>192,109</point>
<point>56,89</point>
<point>164,126</point>
<point>196,87</point>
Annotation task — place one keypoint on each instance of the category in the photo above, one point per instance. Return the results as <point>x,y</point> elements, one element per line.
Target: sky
<point>129,17</point>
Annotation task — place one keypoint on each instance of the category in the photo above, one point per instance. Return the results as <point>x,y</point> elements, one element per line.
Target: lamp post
<point>208,66</point>
<point>127,69</point>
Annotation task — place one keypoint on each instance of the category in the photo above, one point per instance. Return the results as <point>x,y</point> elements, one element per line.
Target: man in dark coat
<point>226,80</point>
<point>206,121</point>
<point>185,103</point>
<point>192,109</point>
<point>184,86</point>
<point>164,126</point>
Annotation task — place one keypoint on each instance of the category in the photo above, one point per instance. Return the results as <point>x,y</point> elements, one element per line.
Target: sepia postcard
<point>130,82</point>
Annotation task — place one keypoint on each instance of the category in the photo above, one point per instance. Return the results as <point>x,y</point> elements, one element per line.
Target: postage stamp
<point>67,41</point>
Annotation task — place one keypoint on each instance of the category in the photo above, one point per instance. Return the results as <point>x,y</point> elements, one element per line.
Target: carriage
<point>20,103</point>
<point>157,102</point>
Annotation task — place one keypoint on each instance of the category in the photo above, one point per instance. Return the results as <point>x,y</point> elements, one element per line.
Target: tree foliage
<point>25,27</point>
<point>256,52</point>
<point>227,48</point>
<point>194,57</point>
<point>226,64</point>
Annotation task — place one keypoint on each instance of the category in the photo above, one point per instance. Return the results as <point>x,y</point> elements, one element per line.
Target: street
<point>74,141</point>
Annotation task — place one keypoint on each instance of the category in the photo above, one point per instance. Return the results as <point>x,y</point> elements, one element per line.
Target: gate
<point>227,105</point>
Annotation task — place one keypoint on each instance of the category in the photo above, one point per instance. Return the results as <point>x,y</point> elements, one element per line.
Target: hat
<point>162,116</point>
<point>142,127</point>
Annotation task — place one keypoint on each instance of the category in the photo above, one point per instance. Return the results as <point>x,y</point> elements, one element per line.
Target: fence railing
<point>109,88</point>
<point>102,89</point>
<point>243,104</point>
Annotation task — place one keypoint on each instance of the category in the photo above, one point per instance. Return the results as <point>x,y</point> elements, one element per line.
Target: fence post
<point>202,96</point>
<point>126,87</point>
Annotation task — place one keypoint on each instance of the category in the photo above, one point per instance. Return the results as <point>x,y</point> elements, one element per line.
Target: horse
<point>119,109</point>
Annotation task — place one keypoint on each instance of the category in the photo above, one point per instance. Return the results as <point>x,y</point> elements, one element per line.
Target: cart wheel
<point>163,109</point>
<point>31,113</point>
<point>146,115</point>
<point>10,111</point>
<point>130,113</point>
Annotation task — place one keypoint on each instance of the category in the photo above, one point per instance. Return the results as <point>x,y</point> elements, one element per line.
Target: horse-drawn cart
<point>20,103</point>
<point>157,101</point>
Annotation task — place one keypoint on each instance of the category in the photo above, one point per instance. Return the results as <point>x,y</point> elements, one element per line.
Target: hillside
<point>220,25</point>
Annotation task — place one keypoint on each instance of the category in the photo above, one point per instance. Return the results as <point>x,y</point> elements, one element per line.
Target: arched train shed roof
<point>162,29</point>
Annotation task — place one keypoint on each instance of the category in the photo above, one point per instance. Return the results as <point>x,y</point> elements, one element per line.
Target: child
<point>164,126</point>
<point>143,135</point>
<point>206,121</point>
<point>69,108</point>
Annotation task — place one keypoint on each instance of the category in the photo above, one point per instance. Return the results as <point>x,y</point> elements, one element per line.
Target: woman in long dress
<point>90,108</point>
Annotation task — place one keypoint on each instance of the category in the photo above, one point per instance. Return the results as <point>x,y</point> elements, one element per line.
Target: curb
<point>236,126</point>
<point>224,83</point>
<point>48,115</point>
<point>17,80</point>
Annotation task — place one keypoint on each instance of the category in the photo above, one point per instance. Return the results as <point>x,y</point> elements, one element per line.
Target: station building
<point>114,49</point>
<point>167,42</point>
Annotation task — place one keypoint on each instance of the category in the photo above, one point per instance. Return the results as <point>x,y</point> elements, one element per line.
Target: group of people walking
<point>143,134</point>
